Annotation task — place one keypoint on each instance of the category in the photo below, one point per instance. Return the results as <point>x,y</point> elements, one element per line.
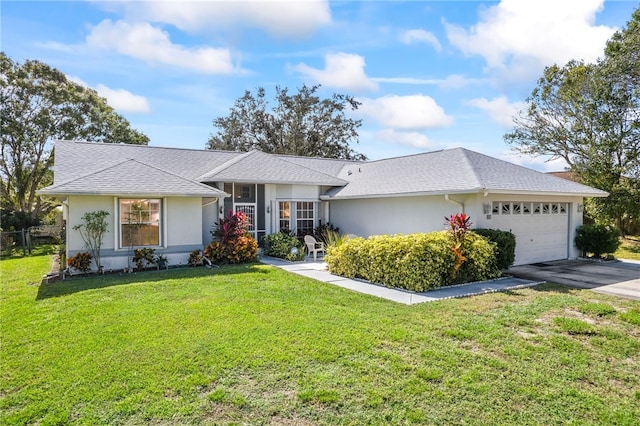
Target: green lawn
<point>255,345</point>
<point>629,249</point>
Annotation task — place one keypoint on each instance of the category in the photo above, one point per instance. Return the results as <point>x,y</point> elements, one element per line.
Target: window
<point>506,208</point>
<point>297,216</point>
<point>536,208</point>
<point>285,215</point>
<point>517,208</point>
<point>563,208</point>
<point>526,208</point>
<point>546,208</point>
<point>304,217</point>
<point>139,222</point>
<point>496,207</point>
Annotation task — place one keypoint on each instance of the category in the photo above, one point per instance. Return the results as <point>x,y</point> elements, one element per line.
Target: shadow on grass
<point>553,288</point>
<point>83,283</point>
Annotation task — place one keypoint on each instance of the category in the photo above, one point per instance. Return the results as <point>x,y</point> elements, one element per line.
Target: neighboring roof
<point>257,166</point>
<point>455,170</point>
<point>98,168</point>
<point>132,177</point>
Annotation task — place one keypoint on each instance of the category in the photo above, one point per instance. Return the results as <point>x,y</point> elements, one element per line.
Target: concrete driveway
<point>618,278</point>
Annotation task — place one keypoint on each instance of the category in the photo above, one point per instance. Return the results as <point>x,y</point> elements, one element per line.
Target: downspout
<point>451,200</point>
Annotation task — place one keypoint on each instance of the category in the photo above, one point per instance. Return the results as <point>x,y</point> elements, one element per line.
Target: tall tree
<point>299,124</point>
<point>589,115</point>
<point>38,105</point>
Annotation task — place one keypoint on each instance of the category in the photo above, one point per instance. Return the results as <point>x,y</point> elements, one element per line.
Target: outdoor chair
<point>313,246</point>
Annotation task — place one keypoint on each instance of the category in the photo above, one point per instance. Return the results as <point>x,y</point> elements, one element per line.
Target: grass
<point>629,249</point>
<point>256,345</point>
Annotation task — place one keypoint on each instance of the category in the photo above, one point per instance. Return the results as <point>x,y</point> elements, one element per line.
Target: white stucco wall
<point>397,215</point>
<point>297,192</point>
<point>210,216</point>
<point>181,229</point>
<point>77,206</point>
<point>183,221</point>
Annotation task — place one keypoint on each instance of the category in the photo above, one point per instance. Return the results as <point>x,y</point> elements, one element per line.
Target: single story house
<point>170,198</point>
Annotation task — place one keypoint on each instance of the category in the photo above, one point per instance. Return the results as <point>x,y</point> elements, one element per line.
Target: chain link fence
<point>25,240</point>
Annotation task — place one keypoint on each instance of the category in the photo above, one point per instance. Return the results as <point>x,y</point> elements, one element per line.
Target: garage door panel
<point>539,237</point>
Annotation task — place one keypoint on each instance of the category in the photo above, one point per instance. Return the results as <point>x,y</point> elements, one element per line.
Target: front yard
<point>629,249</point>
<point>256,345</point>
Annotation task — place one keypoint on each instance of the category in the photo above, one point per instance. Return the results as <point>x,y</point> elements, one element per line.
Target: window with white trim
<point>284,216</point>
<point>139,222</point>
<point>297,216</point>
<point>304,217</point>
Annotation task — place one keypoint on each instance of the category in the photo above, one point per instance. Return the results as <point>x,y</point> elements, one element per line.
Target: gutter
<point>451,200</point>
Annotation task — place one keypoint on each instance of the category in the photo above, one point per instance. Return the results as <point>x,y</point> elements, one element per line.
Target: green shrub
<point>239,250</point>
<point>280,245</point>
<point>80,262</point>
<point>144,257</point>
<point>195,258</point>
<point>321,231</point>
<point>415,262</point>
<point>505,245</point>
<point>480,259</point>
<point>347,259</point>
<point>597,239</point>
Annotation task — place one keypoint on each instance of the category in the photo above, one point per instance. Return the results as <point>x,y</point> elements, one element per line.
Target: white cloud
<point>540,163</point>
<point>420,36</point>
<point>119,99</point>
<point>409,80</point>
<point>150,44</point>
<point>499,109</point>
<point>514,33</point>
<point>342,70</point>
<point>413,139</point>
<point>123,100</point>
<point>405,112</point>
<point>457,81</point>
<point>282,18</point>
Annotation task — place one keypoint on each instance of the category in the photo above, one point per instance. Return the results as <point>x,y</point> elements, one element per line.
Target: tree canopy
<point>38,105</point>
<point>589,115</point>
<point>299,124</point>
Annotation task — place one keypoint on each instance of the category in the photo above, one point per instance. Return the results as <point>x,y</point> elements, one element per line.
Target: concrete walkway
<point>318,271</point>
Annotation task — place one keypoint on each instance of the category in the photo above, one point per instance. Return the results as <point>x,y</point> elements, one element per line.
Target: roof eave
<point>599,193</point>
<point>401,194</point>
<point>278,182</point>
<point>467,191</point>
<point>55,193</point>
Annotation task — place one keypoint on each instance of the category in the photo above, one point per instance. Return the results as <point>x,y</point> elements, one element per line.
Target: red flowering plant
<point>231,227</point>
<point>459,224</point>
<point>232,242</point>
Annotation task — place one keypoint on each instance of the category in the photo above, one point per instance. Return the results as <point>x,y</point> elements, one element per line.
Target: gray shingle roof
<point>257,166</point>
<point>449,171</point>
<point>131,177</point>
<point>77,159</point>
<point>82,167</point>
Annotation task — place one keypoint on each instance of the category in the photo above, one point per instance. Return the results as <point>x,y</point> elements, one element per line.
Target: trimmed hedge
<point>416,262</point>
<point>597,239</point>
<point>505,245</point>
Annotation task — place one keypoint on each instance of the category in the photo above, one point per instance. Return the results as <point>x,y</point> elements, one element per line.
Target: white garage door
<point>541,229</point>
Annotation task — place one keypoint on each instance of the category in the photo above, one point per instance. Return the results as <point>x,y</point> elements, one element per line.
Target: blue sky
<point>429,74</point>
